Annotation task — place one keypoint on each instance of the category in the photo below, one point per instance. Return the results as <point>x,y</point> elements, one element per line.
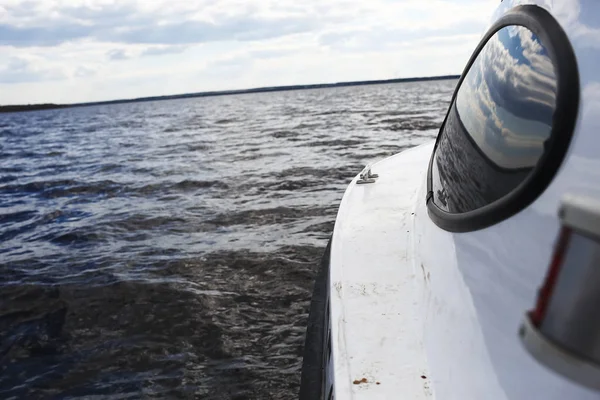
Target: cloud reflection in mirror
<point>507,99</point>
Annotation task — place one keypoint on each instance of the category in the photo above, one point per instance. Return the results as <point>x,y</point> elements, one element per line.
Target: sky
<point>66,51</point>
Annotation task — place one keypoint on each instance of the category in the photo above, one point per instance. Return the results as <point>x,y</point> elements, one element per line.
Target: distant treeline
<point>31,107</point>
<point>34,107</point>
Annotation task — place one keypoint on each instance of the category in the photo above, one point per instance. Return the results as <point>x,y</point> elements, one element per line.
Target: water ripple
<point>167,249</point>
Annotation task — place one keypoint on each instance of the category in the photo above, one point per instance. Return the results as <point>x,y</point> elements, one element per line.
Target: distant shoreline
<point>37,107</point>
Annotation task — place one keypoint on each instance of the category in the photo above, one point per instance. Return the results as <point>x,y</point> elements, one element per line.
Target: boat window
<point>508,126</point>
<point>496,129</point>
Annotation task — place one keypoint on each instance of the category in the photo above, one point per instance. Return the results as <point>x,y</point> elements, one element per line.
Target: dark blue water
<point>167,249</point>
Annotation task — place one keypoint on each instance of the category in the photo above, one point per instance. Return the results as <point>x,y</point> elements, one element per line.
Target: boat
<point>469,267</point>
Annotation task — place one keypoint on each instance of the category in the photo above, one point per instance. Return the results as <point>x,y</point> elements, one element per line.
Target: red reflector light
<point>537,314</point>
<point>562,332</point>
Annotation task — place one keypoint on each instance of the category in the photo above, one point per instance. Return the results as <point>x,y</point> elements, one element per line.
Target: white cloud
<point>86,50</point>
<point>24,69</point>
<point>84,72</point>
<point>162,50</point>
<point>117,54</point>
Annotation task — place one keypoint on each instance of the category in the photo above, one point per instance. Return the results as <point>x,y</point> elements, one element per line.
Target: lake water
<point>168,249</point>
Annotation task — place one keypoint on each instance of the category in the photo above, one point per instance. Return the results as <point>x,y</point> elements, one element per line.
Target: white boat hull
<point>415,311</point>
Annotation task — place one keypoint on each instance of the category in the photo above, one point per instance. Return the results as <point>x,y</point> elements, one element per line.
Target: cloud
<point>245,59</point>
<point>377,38</point>
<point>162,50</point>
<point>273,52</point>
<point>161,22</point>
<point>117,55</point>
<point>239,61</point>
<point>123,23</point>
<point>191,32</point>
<point>84,72</point>
<point>38,36</point>
<point>20,70</point>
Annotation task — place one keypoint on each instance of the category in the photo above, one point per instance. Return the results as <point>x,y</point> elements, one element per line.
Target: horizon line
<point>263,89</point>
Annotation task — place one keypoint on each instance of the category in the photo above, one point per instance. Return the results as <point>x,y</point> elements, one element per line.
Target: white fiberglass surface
<point>481,284</point>
<point>376,325</point>
<point>428,313</point>
<point>458,298</point>
<point>495,273</point>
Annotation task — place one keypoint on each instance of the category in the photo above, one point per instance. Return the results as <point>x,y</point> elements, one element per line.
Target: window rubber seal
<point>556,42</point>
